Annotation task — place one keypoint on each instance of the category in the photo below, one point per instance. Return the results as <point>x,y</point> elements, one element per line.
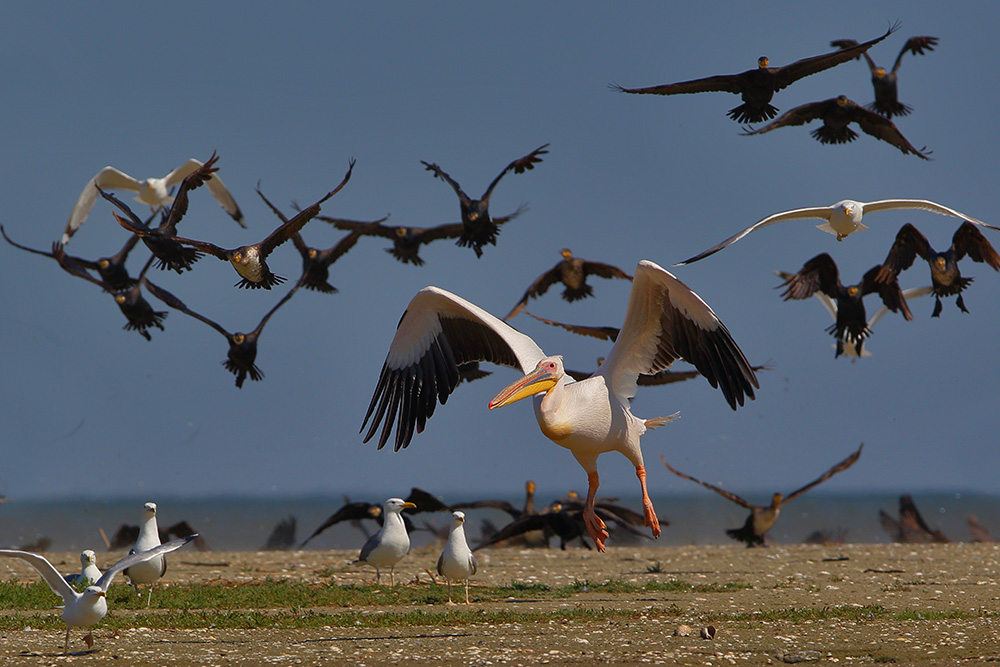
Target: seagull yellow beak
<point>409,506</point>
<point>535,382</point>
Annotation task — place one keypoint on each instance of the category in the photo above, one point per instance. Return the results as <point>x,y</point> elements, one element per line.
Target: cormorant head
<point>763,62</point>
<point>879,72</point>
<point>842,100</point>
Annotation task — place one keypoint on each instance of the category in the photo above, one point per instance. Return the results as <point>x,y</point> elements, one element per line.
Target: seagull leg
<point>467,592</point>
<point>448,581</point>
<point>647,504</point>
<point>149,598</point>
<point>392,575</point>
<point>595,526</point>
<point>66,645</point>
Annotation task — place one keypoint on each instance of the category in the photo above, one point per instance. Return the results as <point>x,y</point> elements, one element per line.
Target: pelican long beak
<point>409,506</point>
<point>535,382</point>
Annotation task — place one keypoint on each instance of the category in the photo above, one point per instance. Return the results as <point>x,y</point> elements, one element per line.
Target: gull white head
<point>457,519</point>
<point>88,557</point>
<point>396,505</point>
<point>149,510</point>
<point>845,219</point>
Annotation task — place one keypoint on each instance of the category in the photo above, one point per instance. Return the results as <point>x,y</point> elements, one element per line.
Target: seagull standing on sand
<point>388,546</point>
<point>88,572</point>
<point>89,607</point>
<point>457,561</point>
<point>153,192</point>
<point>842,219</point>
<point>147,571</point>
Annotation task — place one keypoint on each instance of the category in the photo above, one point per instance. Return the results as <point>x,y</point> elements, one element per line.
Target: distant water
<point>244,524</point>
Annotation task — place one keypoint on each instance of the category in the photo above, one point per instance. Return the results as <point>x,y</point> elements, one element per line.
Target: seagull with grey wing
<point>388,546</point>
<point>89,607</point>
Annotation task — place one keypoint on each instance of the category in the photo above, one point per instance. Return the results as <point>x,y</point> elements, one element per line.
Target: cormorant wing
<point>916,46</point>
<point>286,230</point>
<point>840,467</point>
<point>784,76</point>
<point>908,244</point>
<point>819,273</point>
<point>970,241</point>
<point>729,495</point>
<point>602,333</point>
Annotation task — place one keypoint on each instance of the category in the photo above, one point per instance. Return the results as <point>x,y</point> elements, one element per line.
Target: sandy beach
<point>850,604</point>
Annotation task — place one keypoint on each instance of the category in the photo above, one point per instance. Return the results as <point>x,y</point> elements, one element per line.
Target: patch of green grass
<point>296,619</point>
<point>283,594</point>
<point>673,586</point>
<point>850,613</point>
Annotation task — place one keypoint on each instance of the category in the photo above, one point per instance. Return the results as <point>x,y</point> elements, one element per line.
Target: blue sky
<point>287,95</point>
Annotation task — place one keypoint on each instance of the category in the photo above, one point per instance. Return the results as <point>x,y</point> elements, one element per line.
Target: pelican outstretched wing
<point>438,331</point>
<point>666,321</point>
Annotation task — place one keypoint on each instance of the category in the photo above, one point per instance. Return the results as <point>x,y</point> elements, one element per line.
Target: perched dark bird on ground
<point>946,279</point>
<point>758,86</point>
<point>350,511</point>
<point>316,263</point>
<point>418,501</point>
<point>161,241</point>
<point>886,96</point>
<point>568,526</point>
<point>282,538</point>
<point>762,517</point>
<point>250,260</point>
<point>837,113</point>
<point>851,326</point>
<point>529,538</point>
<point>111,269</point>
<point>572,272</point>
<point>978,531</point>
<point>911,527</point>
<point>242,346</point>
<point>503,505</point>
<point>478,228</point>
<point>565,523</point>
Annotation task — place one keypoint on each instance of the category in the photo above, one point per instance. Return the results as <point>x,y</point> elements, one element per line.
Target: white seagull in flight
<point>89,607</point>
<point>842,219</point>
<point>665,320</point>
<point>154,192</point>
